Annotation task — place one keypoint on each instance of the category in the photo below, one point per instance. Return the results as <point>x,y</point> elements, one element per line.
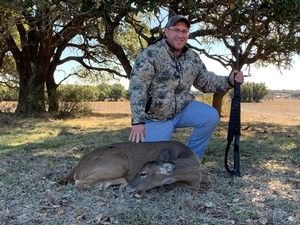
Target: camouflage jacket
<point>160,82</point>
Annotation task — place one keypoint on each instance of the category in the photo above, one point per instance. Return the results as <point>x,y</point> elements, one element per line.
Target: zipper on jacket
<point>178,69</point>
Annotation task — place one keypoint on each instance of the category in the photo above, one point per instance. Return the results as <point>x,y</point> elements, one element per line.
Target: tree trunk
<point>52,94</point>
<point>217,101</point>
<point>31,97</point>
<point>31,92</point>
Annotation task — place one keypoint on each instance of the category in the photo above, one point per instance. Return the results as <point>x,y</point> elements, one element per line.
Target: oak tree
<point>105,36</point>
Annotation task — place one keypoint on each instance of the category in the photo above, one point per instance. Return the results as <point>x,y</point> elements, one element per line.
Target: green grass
<point>35,152</point>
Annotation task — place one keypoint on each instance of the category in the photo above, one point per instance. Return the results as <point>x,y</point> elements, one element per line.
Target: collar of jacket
<point>184,50</point>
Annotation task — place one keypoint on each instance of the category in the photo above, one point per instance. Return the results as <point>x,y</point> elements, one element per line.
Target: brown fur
<point>120,162</point>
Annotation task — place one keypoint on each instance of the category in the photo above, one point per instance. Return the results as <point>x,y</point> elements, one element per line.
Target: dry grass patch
<point>278,112</point>
<point>36,152</point>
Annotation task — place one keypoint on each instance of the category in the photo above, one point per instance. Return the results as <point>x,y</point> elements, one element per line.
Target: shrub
<point>71,101</point>
<point>252,92</point>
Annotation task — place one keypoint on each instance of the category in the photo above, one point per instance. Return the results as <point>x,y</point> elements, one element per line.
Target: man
<point>161,80</point>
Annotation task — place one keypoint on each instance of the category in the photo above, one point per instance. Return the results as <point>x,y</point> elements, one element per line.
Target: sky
<point>271,76</point>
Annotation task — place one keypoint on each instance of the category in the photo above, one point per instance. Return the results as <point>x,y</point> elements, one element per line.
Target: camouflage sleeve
<point>209,82</point>
<point>140,79</point>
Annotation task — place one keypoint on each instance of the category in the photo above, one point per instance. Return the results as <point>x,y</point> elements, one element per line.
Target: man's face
<point>177,36</point>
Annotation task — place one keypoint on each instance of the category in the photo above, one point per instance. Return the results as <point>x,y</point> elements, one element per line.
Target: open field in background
<point>279,111</point>
<point>282,111</point>
<point>34,152</point>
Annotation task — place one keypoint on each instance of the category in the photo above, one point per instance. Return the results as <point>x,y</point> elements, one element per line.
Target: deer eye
<point>143,175</point>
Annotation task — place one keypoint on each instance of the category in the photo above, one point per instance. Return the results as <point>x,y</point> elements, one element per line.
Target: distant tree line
<point>77,93</point>
<point>296,95</point>
<point>250,92</point>
<point>290,93</point>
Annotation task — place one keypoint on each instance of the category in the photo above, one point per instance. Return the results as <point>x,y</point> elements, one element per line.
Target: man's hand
<point>239,77</point>
<point>138,133</point>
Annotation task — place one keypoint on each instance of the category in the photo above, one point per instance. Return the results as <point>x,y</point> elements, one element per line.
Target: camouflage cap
<point>176,18</point>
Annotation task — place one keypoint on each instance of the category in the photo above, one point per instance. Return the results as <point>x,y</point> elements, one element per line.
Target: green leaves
<point>252,92</point>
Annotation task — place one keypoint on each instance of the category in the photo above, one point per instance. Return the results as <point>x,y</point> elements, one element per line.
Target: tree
<point>38,35</point>
<point>77,93</point>
<point>39,45</point>
<point>104,90</point>
<point>116,91</point>
<point>252,92</point>
<point>92,34</point>
<point>269,31</point>
<point>72,99</point>
<point>259,91</point>
<point>246,92</point>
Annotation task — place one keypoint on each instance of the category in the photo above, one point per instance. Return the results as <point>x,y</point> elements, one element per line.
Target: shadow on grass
<point>270,165</point>
<point>259,143</point>
<point>265,148</point>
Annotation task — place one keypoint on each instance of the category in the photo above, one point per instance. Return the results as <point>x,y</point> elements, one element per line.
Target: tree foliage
<point>116,92</point>
<point>252,92</point>
<point>8,74</point>
<point>7,94</point>
<point>104,89</point>
<point>111,92</point>
<point>41,35</point>
<point>86,93</point>
<point>105,36</point>
<point>72,101</point>
<point>73,97</point>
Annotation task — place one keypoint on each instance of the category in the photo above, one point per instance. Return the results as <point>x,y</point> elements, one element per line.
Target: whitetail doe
<point>140,166</point>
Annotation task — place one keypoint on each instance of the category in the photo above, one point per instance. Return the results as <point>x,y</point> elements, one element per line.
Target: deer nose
<point>129,189</point>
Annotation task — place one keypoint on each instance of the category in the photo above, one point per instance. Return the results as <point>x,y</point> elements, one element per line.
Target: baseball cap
<point>176,18</point>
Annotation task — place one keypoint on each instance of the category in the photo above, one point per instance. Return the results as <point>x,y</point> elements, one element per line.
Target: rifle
<point>234,121</point>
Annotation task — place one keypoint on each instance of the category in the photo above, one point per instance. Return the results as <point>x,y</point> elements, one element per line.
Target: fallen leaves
<point>268,192</point>
<point>100,203</point>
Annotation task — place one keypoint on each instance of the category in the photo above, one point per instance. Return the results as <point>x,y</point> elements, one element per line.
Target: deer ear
<point>165,155</point>
<point>167,168</point>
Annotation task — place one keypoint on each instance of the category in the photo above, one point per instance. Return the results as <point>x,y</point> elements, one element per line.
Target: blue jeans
<point>202,117</point>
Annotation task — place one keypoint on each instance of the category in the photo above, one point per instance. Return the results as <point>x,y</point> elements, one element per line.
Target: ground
<point>36,152</point>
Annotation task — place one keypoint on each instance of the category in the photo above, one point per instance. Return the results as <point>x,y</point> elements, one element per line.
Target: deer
<point>139,166</point>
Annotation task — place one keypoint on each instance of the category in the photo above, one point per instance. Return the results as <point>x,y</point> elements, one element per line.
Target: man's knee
<point>211,118</point>
<point>214,117</point>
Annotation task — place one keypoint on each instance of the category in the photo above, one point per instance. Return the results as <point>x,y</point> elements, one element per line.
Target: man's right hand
<point>138,133</point>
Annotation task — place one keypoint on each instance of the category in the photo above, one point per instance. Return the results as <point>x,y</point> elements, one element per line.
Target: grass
<point>35,152</point>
